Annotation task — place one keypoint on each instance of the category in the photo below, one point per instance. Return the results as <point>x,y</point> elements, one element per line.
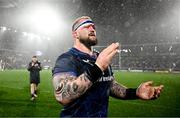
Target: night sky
<point>127,21</point>
<point>135,21</point>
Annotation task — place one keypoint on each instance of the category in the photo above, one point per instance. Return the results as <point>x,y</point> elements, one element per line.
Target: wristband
<point>131,93</point>
<point>93,73</point>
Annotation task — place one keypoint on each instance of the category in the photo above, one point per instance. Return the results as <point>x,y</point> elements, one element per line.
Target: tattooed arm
<point>145,91</point>
<point>117,90</point>
<point>68,87</point>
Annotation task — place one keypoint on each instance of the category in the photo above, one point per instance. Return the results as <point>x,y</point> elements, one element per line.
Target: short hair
<point>78,19</point>
<point>34,56</point>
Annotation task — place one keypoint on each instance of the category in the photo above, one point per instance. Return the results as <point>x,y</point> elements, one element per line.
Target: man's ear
<point>74,34</point>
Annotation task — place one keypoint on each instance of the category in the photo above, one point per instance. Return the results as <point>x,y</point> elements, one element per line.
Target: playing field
<point>15,97</point>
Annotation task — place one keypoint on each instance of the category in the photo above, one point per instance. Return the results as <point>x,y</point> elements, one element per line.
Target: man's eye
<point>86,27</point>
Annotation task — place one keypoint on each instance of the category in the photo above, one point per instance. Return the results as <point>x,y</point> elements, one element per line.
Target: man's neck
<point>83,48</point>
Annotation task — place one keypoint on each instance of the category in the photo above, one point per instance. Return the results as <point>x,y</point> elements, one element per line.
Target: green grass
<point>167,105</point>
<point>15,96</point>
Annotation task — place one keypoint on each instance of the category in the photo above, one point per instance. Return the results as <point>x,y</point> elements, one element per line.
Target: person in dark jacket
<point>34,68</point>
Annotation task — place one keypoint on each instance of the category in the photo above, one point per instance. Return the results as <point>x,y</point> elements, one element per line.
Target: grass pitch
<point>15,96</point>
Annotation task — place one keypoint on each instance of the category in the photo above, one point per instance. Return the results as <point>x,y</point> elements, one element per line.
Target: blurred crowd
<point>10,59</point>
<point>150,57</point>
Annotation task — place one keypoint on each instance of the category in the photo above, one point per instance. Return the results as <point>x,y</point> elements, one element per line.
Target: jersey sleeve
<point>65,64</point>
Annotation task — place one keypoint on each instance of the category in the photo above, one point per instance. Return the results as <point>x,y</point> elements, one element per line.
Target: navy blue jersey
<point>94,102</point>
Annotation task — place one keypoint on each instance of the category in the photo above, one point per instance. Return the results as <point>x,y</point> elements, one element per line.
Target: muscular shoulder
<point>64,59</point>
<point>65,63</point>
<point>67,56</point>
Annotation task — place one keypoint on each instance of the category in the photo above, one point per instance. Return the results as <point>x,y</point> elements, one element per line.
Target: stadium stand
<point>162,56</point>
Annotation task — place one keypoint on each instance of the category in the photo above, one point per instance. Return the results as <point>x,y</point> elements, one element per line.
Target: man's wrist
<point>131,93</point>
<point>93,73</point>
<point>137,90</point>
<point>99,66</point>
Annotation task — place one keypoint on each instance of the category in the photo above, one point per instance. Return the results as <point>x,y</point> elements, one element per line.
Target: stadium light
<point>48,39</point>
<point>24,33</point>
<point>38,53</point>
<point>3,28</point>
<point>45,19</point>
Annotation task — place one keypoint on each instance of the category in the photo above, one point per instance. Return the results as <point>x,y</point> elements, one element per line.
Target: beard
<point>88,42</point>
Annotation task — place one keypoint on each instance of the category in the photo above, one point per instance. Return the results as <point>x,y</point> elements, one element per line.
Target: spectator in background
<point>34,68</point>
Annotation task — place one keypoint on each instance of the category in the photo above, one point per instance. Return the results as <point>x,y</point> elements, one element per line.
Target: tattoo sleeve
<point>117,90</point>
<point>68,87</point>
